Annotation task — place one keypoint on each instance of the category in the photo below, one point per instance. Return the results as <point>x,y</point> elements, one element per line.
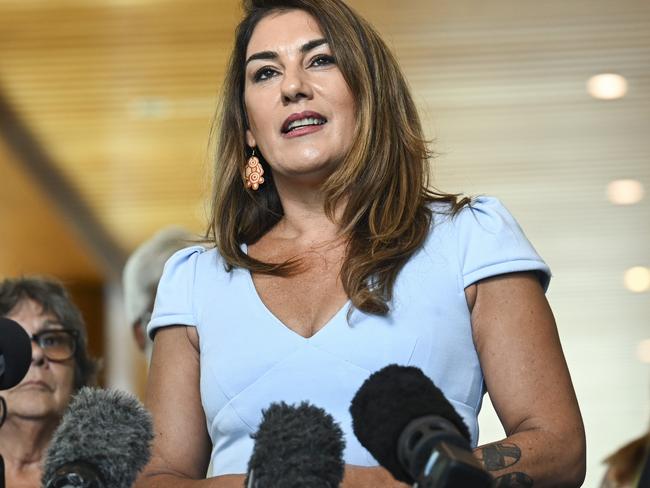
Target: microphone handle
<point>451,466</point>
<point>76,475</point>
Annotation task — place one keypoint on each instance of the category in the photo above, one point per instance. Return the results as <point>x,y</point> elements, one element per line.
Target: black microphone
<point>15,359</point>
<point>15,353</point>
<point>103,441</point>
<point>413,431</point>
<point>296,447</point>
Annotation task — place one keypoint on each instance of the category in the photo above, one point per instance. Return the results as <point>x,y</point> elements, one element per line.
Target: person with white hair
<point>141,274</point>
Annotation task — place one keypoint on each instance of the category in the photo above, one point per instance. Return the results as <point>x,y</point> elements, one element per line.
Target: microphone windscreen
<point>385,404</point>
<point>16,352</point>
<point>109,430</point>
<point>299,447</point>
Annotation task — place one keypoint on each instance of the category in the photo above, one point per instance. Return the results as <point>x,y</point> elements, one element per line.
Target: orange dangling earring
<point>254,172</point>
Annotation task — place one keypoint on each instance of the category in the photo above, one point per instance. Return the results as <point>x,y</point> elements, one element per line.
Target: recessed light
<point>637,279</point>
<point>625,192</point>
<point>607,86</point>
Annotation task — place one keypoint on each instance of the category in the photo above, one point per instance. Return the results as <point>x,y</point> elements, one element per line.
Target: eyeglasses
<point>57,344</point>
<point>3,411</point>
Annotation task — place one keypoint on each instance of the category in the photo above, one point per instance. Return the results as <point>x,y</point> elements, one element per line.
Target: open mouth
<point>296,122</point>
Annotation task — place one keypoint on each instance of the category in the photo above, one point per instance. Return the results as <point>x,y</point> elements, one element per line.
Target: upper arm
<point>181,444</point>
<point>520,353</point>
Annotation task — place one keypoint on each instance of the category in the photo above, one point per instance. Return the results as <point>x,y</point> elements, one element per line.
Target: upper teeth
<point>303,122</point>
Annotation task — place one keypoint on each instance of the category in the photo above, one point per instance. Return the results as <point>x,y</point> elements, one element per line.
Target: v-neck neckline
<point>258,299</point>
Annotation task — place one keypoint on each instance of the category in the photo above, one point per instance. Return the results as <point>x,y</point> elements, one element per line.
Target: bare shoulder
<point>520,352</point>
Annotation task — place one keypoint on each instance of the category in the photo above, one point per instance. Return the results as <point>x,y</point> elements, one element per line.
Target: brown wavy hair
<point>627,462</point>
<point>383,179</point>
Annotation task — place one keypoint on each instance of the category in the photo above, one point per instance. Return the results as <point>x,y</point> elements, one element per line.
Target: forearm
<point>362,477</point>
<point>355,477</point>
<point>151,480</point>
<point>535,458</point>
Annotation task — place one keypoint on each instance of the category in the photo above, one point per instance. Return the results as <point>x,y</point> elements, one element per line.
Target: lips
<point>302,119</point>
<point>36,384</point>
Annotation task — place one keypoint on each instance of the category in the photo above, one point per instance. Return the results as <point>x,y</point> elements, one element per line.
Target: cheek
<point>259,116</point>
<point>64,375</point>
<point>346,106</point>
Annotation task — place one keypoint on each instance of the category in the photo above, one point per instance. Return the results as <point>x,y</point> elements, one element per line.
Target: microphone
<point>103,441</point>
<point>409,426</point>
<point>296,447</point>
<point>15,359</point>
<point>15,353</point>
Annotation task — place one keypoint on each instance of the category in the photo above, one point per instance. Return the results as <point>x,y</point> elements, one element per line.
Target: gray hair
<point>144,268</point>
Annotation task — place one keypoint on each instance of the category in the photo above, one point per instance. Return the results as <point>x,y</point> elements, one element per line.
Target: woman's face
<point>47,388</point>
<point>301,112</point>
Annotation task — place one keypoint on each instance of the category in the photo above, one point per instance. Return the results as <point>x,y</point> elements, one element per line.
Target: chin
<point>37,406</point>
<point>39,412</point>
<point>317,168</point>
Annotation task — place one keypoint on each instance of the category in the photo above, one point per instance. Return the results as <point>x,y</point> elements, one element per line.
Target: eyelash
<point>267,72</point>
<point>323,57</point>
<point>259,74</point>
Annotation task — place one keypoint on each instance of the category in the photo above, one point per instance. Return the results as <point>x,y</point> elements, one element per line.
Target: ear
<point>250,139</point>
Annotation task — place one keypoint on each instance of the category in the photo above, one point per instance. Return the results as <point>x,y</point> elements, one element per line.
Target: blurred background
<point>106,106</point>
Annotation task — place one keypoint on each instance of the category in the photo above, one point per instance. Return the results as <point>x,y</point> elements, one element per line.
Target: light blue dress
<point>249,359</point>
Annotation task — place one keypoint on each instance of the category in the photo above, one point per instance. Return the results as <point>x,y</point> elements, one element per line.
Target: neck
<point>23,442</point>
<point>304,214</point>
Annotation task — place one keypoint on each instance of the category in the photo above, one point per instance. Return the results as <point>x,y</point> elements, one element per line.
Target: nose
<point>38,355</point>
<point>295,86</point>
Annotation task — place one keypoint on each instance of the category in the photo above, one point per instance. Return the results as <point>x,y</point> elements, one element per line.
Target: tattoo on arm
<point>513,480</point>
<point>502,455</point>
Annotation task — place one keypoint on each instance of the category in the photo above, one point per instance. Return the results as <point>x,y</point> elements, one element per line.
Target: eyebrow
<point>305,48</point>
<point>51,325</point>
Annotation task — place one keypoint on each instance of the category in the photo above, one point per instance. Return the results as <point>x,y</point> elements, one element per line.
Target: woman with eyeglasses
<point>60,366</point>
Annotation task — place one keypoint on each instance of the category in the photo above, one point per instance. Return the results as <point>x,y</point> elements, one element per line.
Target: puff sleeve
<point>174,298</point>
<point>491,242</point>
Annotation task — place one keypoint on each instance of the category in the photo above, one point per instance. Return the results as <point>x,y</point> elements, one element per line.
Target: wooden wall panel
<point>35,239</point>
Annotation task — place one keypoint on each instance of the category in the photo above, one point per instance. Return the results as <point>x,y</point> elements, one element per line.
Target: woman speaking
<point>331,257</point>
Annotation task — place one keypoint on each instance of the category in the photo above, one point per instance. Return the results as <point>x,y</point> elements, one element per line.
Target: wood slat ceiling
<point>121,94</point>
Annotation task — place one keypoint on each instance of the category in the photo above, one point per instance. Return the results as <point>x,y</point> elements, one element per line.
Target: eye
<point>323,60</point>
<point>53,339</point>
<point>264,73</point>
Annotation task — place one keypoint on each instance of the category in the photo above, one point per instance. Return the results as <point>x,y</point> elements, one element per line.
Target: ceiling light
<point>625,192</point>
<point>607,86</point>
<point>637,279</point>
<point>643,351</point>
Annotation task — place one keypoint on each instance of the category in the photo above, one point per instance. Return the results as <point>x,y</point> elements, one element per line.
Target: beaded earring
<point>253,172</point>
